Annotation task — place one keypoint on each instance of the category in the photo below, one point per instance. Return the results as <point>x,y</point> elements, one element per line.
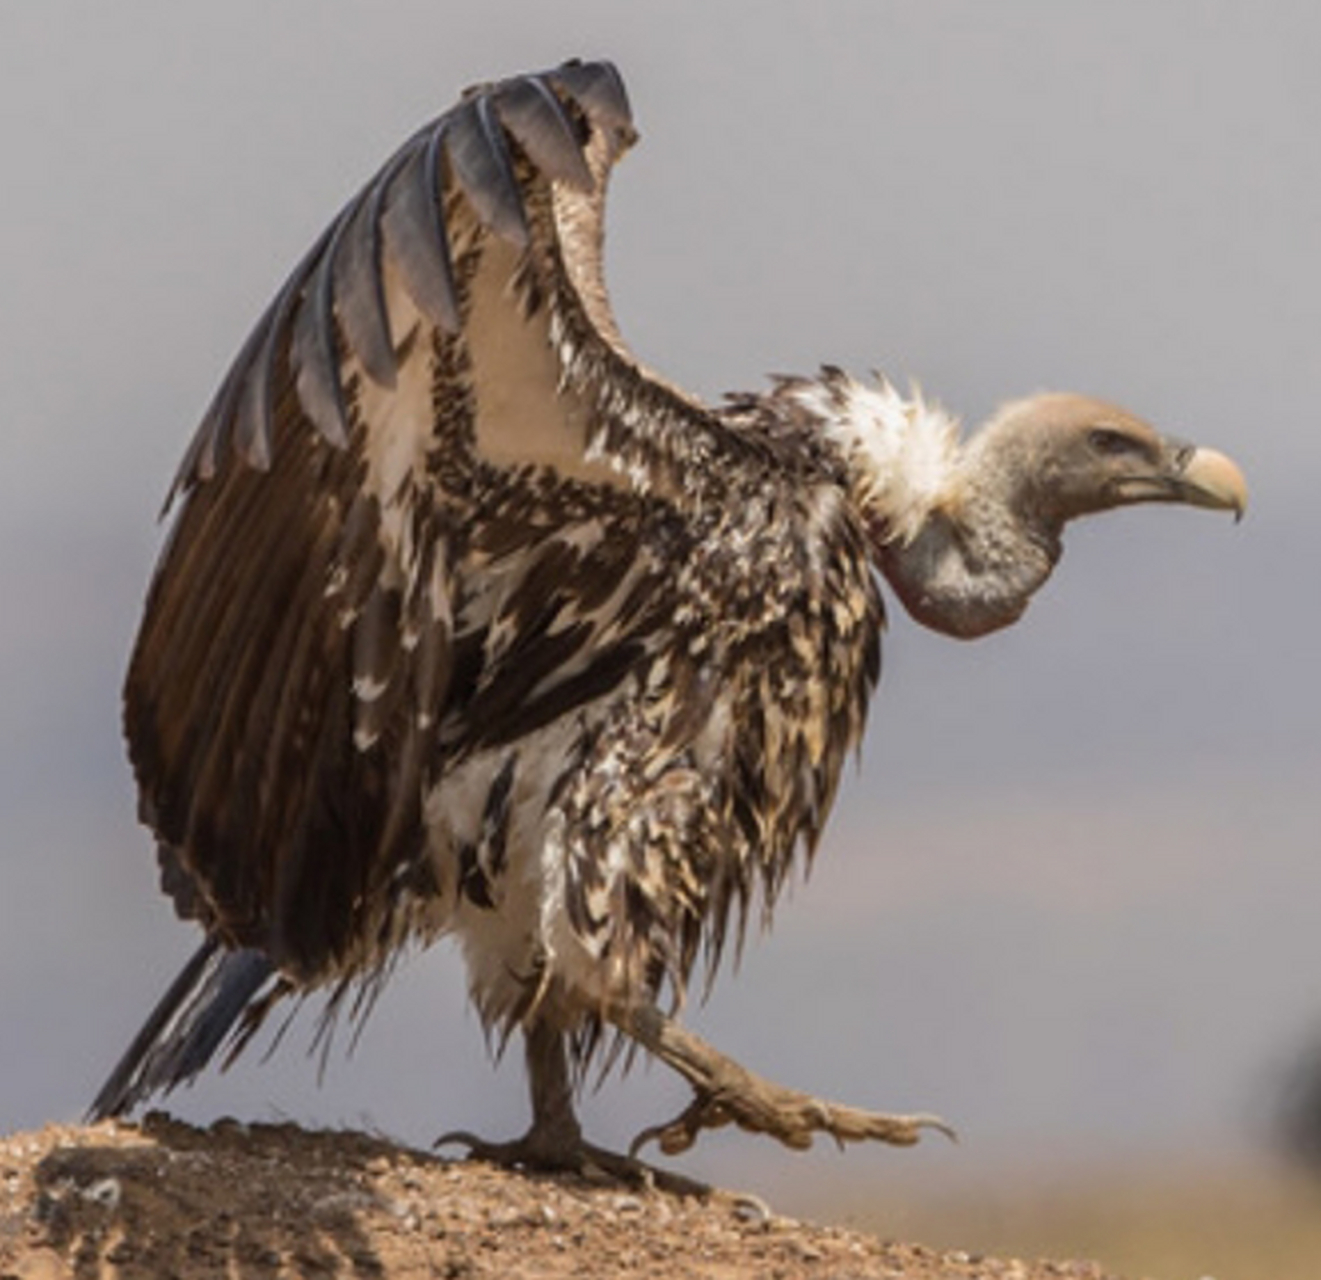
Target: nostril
<point>1183,453</point>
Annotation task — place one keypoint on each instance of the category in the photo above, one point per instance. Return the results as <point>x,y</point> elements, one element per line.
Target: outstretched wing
<point>304,655</point>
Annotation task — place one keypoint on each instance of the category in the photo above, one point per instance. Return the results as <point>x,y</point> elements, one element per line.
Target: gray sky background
<point>1072,898</point>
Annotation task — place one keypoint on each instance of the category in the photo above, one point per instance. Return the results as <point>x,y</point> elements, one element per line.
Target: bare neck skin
<point>966,532</point>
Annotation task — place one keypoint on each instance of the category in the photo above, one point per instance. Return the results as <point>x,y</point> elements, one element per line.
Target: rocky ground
<point>165,1199</point>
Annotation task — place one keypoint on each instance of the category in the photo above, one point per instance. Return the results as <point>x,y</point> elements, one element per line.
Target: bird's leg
<point>727,1092</point>
<point>555,1142</point>
<point>555,1124</point>
<point>555,1139</point>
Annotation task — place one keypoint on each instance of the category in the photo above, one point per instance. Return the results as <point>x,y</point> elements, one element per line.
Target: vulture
<point>469,624</point>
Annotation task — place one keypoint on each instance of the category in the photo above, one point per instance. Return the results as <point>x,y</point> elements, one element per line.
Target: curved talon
<point>647,1134</point>
<point>676,1136</point>
<point>925,1121</point>
<point>478,1148</point>
<point>672,1139</point>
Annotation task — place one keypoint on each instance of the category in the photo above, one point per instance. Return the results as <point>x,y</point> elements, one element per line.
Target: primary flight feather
<point>470,624</point>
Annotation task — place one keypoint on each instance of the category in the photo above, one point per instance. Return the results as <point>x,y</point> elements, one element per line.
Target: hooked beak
<point>1198,477</point>
<point>1207,478</point>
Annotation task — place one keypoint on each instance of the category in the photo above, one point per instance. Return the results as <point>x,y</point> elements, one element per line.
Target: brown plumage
<point>468,623</point>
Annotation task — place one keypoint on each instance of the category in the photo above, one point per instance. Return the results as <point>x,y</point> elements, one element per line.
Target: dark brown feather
<point>394,627</point>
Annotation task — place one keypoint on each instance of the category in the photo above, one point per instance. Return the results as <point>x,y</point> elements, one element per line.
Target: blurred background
<point>1071,898</point>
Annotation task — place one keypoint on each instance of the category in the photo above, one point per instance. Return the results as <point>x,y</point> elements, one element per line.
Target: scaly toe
<point>592,1163</point>
<point>849,1124</point>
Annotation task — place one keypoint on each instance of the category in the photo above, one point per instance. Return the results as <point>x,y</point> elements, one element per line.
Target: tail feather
<point>191,1021</point>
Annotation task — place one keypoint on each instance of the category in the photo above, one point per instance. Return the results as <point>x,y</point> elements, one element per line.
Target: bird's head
<point>1058,456</point>
<point>965,532</point>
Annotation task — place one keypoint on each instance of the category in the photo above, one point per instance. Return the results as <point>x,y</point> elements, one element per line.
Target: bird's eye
<point>1109,441</point>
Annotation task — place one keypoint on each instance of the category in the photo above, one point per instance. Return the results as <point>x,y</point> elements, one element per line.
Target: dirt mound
<point>165,1199</point>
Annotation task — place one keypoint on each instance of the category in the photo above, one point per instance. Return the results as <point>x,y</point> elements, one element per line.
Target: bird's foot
<point>793,1117</point>
<point>539,1152</point>
<point>789,1115</point>
<point>728,1093</point>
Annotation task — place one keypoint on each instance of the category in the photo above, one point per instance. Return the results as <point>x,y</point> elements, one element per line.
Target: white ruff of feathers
<point>904,453</point>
